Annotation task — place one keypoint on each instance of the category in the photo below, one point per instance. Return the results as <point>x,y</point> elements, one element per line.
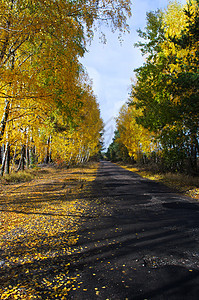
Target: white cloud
<point>111,65</point>
<point>96,78</point>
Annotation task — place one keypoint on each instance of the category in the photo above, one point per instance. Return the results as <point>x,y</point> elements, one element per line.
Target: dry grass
<point>186,184</point>
<point>182,179</point>
<point>30,174</point>
<point>21,176</point>
<point>24,176</point>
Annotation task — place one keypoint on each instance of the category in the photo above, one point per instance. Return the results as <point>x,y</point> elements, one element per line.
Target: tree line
<point>48,110</point>
<point>160,121</point>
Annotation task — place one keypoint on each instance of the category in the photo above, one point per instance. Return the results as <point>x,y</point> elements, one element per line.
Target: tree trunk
<point>23,158</point>
<point>193,160</point>
<point>27,157</point>
<point>13,159</point>
<point>21,165</point>
<point>4,119</point>
<point>1,155</point>
<point>7,162</point>
<point>47,158</point>
<point>32,156</point>
<point>4,159</point>
<point>193,154</point>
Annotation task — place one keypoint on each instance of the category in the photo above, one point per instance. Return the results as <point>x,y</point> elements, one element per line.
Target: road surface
<point>140,240</point>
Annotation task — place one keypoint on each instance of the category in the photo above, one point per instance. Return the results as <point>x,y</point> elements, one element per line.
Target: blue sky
<point>111,65</point>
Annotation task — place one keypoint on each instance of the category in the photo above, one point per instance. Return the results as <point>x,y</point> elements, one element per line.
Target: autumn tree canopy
<point>166,88</point>
<point>47,105</point>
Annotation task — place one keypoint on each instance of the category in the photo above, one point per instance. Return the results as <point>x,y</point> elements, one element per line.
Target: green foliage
<point>153,35</point>
<point>167,88</point>
<point>117,151</point>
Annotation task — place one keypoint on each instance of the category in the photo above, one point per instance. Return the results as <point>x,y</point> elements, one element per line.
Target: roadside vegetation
<point>182,183</point>
<point>21,176</point>
<point>39,171</point>
<point>38,224</point>
<point>159,123</point>
<point>48,110</point>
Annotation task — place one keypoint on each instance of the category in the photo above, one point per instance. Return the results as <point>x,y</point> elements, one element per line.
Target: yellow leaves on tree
<point>42,97</point>
<point>133,136</point>
<point>78,144</point>
<point>174,22</point>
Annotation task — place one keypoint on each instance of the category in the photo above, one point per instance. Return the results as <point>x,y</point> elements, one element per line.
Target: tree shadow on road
<point>139,247</point>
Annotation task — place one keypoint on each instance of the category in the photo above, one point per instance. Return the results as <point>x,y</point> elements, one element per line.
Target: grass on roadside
<point>29,174</point>
<point>21,176</point>
<point>186,184</point>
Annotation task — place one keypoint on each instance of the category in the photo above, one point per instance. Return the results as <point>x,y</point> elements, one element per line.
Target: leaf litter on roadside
<point>38,228</point>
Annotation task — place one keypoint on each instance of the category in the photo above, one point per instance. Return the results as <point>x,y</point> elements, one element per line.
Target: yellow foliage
<point>44,93</point>
<point>174,22</point>
<point>135,137</point>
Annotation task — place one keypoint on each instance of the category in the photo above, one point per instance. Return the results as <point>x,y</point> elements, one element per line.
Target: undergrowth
<point>21,176</point>
<point>29,174</point>
<point>186,184</point>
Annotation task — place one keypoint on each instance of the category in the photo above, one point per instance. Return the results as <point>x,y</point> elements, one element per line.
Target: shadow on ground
<point>122,237</point>
<point>143,245</point>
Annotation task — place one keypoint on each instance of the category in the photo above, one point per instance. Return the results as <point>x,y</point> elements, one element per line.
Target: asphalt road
<point>140,240</point>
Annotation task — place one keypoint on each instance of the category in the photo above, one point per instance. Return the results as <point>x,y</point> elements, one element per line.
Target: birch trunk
<point>4,119</point>
<point>4,159</point>
<point>47,158</point>
<point>7,163</point>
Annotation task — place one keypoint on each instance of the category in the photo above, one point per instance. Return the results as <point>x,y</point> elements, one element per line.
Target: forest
<point>48,110</point>
<point>160,121</point>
